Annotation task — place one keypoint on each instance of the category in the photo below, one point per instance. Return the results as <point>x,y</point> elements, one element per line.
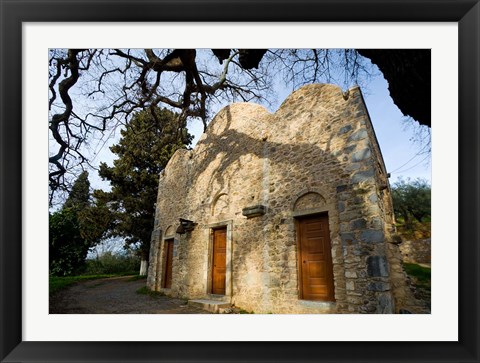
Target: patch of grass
<point>124,273</point>
<point>146,291</point>
<point>58,283</point>
<point>143,290</point>
<point>241,311</point>
<point>420,274</point>
<point>137,277</point>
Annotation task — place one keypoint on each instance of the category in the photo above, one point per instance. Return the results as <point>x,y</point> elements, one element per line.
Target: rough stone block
<point>376,223</point>
<point>360,223</point>
<point>353,166</point>
<point>348,239</point>
<point>372,236</point>
<point>254,211</point>
<point>156,234</point>
<point>358,135</point>
<point>360,113</point>
<point>385,304</point>
<point>378,286</point>
<point>361,155</point>
<point>349,149</point>
<point>344,227</point>
<point>350,274</point>
<point>351,293</point>
<point>363,176</point>
<point>345,196</point>
<point>350,286</point>
<point>373,209</point>
<point>345,129</point>
<point>350,215</point>
<point>377,266</point>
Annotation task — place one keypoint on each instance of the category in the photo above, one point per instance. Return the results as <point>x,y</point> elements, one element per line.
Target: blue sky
<point>403,157</point>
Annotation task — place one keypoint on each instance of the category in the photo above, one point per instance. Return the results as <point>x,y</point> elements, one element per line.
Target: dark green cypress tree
<point>144,150</point>
<point>79,196</point>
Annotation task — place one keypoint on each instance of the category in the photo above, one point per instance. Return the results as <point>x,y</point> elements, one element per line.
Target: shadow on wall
<point>235,154</point>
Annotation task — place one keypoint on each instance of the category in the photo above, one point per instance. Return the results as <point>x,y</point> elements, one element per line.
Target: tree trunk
<point>143,267</point>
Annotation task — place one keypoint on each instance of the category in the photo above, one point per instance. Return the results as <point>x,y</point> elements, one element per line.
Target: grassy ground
<point>138,277</point>
<point>57,283</point>
<point>420,274</point>
<point>421,278</point>
<point>146,291</point>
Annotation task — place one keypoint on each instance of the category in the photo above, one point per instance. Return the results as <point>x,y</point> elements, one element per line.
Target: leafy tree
<point>95,222</point>
<point>412,201</point>
<point>147,143</point>
<point>68,245</point>
<point>79,197</point>
<point>94,90</point>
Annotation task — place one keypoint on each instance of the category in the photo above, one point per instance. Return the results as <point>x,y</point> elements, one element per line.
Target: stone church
<point>282,213</point>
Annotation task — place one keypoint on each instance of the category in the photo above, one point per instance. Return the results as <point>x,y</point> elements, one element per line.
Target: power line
<point>402,171</point>
<point>414,156</point>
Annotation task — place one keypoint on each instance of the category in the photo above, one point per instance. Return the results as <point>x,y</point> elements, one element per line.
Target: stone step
<point>213,306</point>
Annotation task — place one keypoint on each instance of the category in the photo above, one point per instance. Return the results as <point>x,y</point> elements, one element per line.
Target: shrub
<point>412,201</point>
<point>67,250</point>
<point>109,263</point>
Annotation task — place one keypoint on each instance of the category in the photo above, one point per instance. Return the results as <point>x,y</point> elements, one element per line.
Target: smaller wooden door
<point>167,279</point>
<point>315,259</point>
<point>219,261</point>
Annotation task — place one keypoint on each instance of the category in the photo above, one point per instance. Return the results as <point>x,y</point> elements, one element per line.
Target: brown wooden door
<point>315,259</point>
<point>219,261</point>
<point>167,280</point>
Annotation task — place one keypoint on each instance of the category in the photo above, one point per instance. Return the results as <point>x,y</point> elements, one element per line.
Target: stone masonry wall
<point>316,154</point>
<point>418,251</point>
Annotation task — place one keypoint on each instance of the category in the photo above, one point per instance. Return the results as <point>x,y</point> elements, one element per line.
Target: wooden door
<point>315,259</point>
<point>219,259</point>
<point>167,279</point>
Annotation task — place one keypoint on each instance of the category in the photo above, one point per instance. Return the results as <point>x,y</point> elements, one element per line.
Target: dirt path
<point>116,295</point>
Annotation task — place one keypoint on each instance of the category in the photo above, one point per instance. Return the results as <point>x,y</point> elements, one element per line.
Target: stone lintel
<point>254,211</point>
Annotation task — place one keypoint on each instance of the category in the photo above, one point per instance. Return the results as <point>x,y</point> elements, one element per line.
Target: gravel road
<point>116,295</point>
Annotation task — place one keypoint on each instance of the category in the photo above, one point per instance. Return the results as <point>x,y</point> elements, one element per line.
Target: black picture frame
<point>14,13</point>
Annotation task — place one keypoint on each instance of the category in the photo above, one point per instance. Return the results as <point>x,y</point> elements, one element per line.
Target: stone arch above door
<point>221,204</point>
<point>309,200</point>
<point>170,231</point>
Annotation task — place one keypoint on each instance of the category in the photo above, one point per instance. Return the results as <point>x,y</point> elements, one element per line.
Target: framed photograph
<point>25,336</point>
